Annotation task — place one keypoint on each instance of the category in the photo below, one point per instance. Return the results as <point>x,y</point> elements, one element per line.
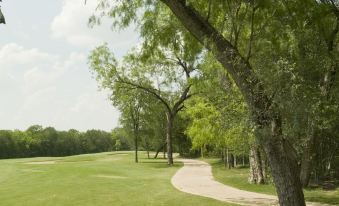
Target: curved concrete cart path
<point>195,177</point>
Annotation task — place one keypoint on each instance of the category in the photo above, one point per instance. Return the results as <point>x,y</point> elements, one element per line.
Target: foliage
<point>37,141</point>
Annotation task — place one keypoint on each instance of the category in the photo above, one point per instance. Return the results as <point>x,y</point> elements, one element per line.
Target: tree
<point>130,104</point>
<point>170,68</point>
<point>38,141</point>
<point>264,112</point>
<point>204,128</point>
<point>121,140</point>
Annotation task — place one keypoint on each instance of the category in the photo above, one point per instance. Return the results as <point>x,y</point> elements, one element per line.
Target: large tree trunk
<point>169,128</point>
<point>256,170</point>
<point>283,162</point>
<point>266,117</point>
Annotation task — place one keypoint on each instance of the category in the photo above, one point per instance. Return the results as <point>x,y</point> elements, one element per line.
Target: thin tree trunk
<point>225,157</point>
<point>164,153</point>
<point>264,167</point>
<point>169,129</point>
<point>256,172</point>
<point>232,160</point>
<point>243,160</point>
<point>228,159</point>
<point>148,157</point>
<point>136,144</point>
<point>235,161</point>
<point>308,155</point>
<point>159,150</point>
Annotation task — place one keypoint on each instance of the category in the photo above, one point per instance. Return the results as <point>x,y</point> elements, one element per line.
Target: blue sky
<point>44,76</point>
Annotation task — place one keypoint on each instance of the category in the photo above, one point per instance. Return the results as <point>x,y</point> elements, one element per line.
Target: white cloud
<point>72,25</point>
<point>14,54</point>
<point>42,88</point>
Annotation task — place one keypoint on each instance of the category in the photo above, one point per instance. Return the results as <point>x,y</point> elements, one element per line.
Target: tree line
<point>37,141</point>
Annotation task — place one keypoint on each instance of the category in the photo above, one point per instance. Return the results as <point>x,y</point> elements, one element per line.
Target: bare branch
<point>184,96</point>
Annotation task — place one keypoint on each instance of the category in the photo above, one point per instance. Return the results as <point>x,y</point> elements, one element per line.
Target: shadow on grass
<point>160,164</point>
<point>324,199</point>
<point>319,195</point>
<point>118,153</point>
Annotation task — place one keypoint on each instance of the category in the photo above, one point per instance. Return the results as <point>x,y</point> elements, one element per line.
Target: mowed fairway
<point>91,180</point>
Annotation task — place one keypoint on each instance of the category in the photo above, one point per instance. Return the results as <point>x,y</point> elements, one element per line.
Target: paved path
<point>196,178</point>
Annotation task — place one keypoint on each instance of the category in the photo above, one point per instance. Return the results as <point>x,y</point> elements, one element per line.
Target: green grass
<point>238,178</point>
<point>110,179</point>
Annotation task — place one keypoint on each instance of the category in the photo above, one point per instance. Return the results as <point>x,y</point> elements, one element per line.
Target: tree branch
<point>228,55</point>
<point>184,96</point>
<point>252,32</point>
<point>151,91</point>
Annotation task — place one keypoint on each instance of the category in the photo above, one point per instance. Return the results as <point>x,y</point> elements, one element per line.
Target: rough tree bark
<point>266,117</point>
<point>256,170</point>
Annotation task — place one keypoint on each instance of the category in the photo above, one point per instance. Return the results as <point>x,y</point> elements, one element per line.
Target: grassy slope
<point>87,180</point>
<point>238,178</point>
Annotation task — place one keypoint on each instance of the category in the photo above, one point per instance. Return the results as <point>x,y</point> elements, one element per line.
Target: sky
<point>44,75</point>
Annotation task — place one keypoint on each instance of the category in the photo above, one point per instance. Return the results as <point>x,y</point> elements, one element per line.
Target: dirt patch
<point>41,163</point>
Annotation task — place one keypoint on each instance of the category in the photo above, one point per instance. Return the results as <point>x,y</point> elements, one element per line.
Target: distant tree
<point>122,142</point>
<point>163,73</point>
<point>131,103</point>
<point>39,141</point>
